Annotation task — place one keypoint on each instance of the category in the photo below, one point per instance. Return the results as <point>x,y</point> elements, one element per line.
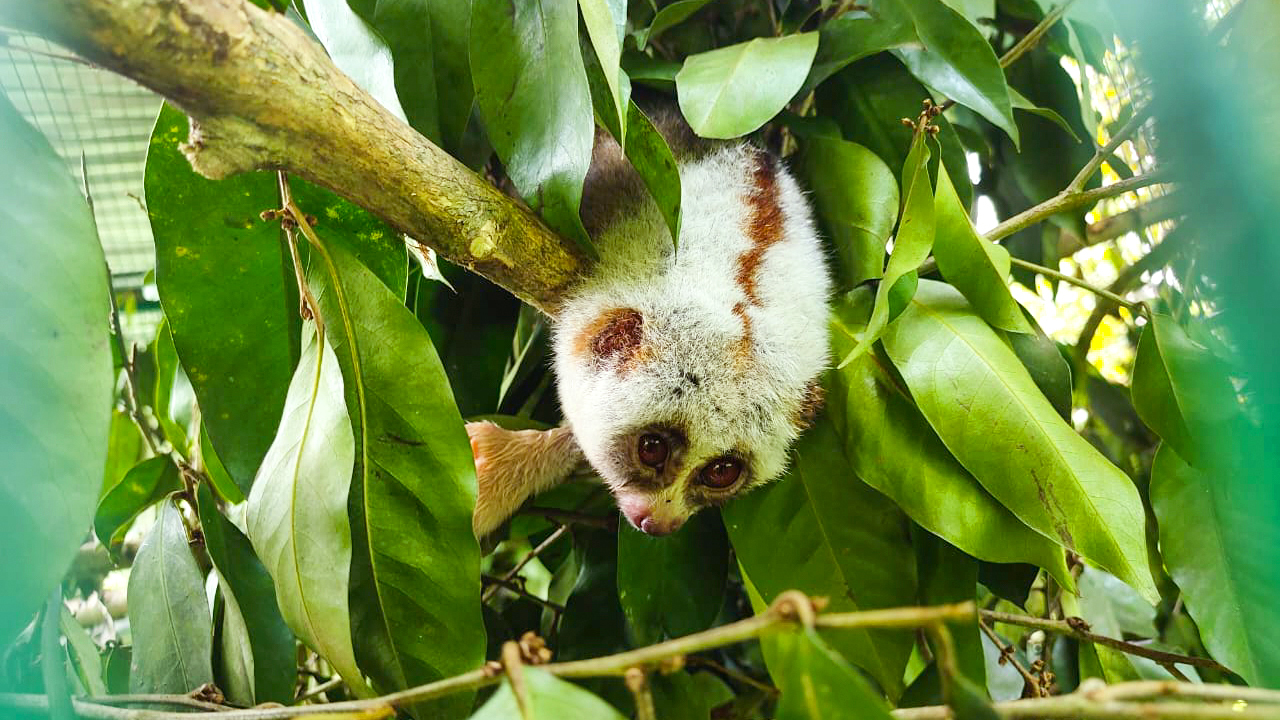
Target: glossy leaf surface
<point>531,89</point>
<point>297,514</point>
<point>818,684</point>
<point>55,369</point>
<point>993,418</point>
<point>144,485</point>
<point>223,276</point>
<point>673,586</point>
<point>168,612</point>
<point>549,698</point>
<point>721,93</point>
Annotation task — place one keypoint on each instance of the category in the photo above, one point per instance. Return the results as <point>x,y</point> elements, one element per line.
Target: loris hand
<point>512,465</point>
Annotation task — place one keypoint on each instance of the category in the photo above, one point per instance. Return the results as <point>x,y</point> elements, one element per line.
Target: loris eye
<point>721,473</point>
<point>652,450</point>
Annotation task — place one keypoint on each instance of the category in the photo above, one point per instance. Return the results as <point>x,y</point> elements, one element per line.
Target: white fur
<point>687,299</point>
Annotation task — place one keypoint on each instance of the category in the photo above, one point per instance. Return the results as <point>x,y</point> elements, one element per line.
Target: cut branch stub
<point>262,95</point>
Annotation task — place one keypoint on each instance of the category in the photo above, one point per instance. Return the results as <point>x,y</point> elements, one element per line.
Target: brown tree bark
<point>262,95</point>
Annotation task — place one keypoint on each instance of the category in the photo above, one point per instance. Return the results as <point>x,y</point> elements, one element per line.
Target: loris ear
<point>512,465</point>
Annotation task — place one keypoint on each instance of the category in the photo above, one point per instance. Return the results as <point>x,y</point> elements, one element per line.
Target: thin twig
<point>731,674</point>
<point>569,517</point>
<point>1140,116</point>
<point>780,616</point>
<point>1006,655</point>
<point>159,699</point>
<point>1066,200</point>
<point>1079,631</point>
<point>1072,280</point>
<point>638,683</point>
<point>321,689</point>
<point>514,587</point>
<point>1033,37</point>
<point>488,594</point>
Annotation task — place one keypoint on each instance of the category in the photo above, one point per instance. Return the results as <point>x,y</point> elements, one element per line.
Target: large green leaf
<point>817,684</point>
<point>977,268</point>
<point>1221,581</point>
<point>168,612</point>
<point>55,369</point>
<point>144,485</point>
<point>606,22</point>
<point>855,35</point>
<point>1181,390</point>
<point>998,424</point>
<point>428,44</point>
<point>948,575</point>
<point>673,586</point>
<point>549,698</point>
<point>370,240</point>
<point>811,545</point>
<point>248,588</point>
<point>856,197</point>
<point>415,572</point>
<point>687,696</point>
<point>869,99</point>
<point>532,92</point>
<point>911,244</point>
<point>225,282</point>
<point>1048,368</point>
<point>881,428</point>
<point>297,514</point>
<point>356,48</point>
<point>956,60</point>
<point>724,93</point>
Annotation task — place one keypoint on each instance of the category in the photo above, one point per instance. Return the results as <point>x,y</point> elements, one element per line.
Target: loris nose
<point>654,527</point>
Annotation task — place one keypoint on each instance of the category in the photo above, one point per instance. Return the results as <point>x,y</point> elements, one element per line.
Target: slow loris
<point>684,373</point>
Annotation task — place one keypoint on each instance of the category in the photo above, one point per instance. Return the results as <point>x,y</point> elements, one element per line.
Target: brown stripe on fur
<point>613,336</point>
<point>763,228</point>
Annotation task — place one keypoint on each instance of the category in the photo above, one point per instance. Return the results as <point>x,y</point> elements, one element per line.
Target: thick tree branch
<point>263,95</point>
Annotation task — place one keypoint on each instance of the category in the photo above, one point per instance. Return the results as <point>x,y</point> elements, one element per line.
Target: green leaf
<point>1181,390</point>
<point>853,36</point>
<point>297,513</point>
<point>649,154</point>
<point>869,99</point>
<point>217,472</point>
<point>856,198</point>
<point>415,570</point>
<point>374,243</point>
<point>948,575</point>
<point>145,484</point>
<point>1020,102</point>
<point>998,424</point>
<point>977,268</point>
<point>168,613</point>
<point>668,17</point>
<point>225,280</point>
<point>250,594</point>
<point>645,148</point>
<point>673,586</point>
<point>1049,370</point>
<point>811,545</point>
<point>549,698</point>
<point>606,26</point>
<point>56,378</point>
<point>356,49</point>
<point>687,696</point>
<point>83,652</point>
<point>172,405</point>
<point>911,244</point>
<point>957,61</point>
<point>817,684</point>
<point>531,89</point>
<point>880,426</point>
<point>721,93</point>
<point>1221,580</point>
<point>428,44</point>
<point>124,449</point>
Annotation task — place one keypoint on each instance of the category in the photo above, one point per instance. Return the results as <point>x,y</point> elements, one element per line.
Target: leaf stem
<point>511,574</point>
<point>1140,116</point>
<point>1075,628</point>
<point>1033,37</point>
<point>1006,655</point>
<point>1071,199</point>
<point>1072,280</point>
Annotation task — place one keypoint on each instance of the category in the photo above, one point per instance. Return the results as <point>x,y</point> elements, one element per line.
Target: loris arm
<point>512,465</point>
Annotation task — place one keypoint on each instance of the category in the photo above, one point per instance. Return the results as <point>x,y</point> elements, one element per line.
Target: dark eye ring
<point>721,473</point>
<point>652,449</point>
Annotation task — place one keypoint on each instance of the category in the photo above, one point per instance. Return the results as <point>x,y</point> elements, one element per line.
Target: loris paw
<point>511,465</point>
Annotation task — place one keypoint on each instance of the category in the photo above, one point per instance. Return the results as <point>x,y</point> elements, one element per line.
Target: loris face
<point>685,376</point>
